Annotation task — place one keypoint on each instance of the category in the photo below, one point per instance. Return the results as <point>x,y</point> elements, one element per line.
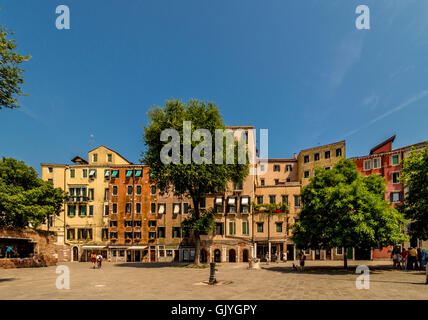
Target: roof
<point>269,160</point>
<point>79,159</point>
<point>323,146</point>
<point>240,127</point>
<point>380,145</point>
<point>111,151</point>
<point>394,151</point>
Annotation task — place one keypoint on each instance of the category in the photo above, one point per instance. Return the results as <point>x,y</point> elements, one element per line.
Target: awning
<point>92,172</point>
<point>231,201</point>
<point>138,173</point>
<point>94,247</point>
<point>161,209</point>
<point>137,247</point>
<point>107,173</point>
<point>218,201</point>
<point>115,173</point>
<point>128,173</point>
<point>176,208</point>
<point>244,201</point>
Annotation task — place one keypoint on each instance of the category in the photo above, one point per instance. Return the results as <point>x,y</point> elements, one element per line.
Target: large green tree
<point>194,180</point>
<point>341,208</point>
<point>25,199</point>
<point>415,178</point>
<point>11,77</point>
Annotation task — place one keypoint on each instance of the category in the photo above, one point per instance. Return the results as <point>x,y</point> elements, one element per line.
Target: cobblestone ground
<point>321,280</point>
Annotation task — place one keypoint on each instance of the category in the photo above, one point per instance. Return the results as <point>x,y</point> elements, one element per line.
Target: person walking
<point>302,259</point>
<point>413,256</point>
<point>394,257</point>
<point>99,260</point>
<point>93,260</point>
<point>405,256</point>
<point>419,258</point>
<point>9,252</point>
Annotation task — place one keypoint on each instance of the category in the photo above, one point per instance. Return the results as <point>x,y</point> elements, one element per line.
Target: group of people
<point>96,260</point>
<point>410,259</point>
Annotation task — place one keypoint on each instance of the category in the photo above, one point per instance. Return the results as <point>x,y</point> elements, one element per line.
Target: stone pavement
<point>321,280</point>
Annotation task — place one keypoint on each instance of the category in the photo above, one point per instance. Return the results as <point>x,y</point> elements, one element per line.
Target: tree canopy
<point>342,208</point>
<point>11,77</point>
<point>194,180</point>
<point>25,199</point>
<point>415,179</point>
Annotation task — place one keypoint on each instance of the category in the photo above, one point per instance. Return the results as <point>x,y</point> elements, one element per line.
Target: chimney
<point>295,155</point>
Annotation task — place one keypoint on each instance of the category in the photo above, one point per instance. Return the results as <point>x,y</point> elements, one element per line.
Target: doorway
<point>128,256</point>
<point>75,254</point>
<point>137,256</point>
<point>328,254</point>
<point>176,255</point>
<point>362,253</point>
<point>203,257</point>
<point>152,256</point>
<point>317,254</point>
<point>217,255</point>
<point>232,255</point>
<point>245,255</point>
<point>290,252</point>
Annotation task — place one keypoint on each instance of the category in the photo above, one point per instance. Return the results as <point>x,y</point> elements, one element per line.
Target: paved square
<point>321,280</point>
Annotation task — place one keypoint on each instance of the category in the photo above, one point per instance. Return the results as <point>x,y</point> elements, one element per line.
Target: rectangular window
<point>95,157</point>
<point>152,223</point>
<point>138,173</point>
<point>153,207</point>
<point>219,228</point>
<point>71,211</point>
<point>51,181</point>
<point>71,235</point>
<point>138,191</point>
<point>104,234</point>
<point>259,199</point>
<point>109,157</point>
<point>176,232</point>
<point>396,196</point>
<point>376,163</point>
<point>285,199</point>
<point>367,164</point>
<point>245,228</point>
<point>202,204</point>
<point>72,173</point>
<point>50,169</point>
<point>316,156</point>
<point>129,173</point>
<point>306,159</point>
<point>237,186</point>
<point>272,199</point>
<point>276,167</point>
<point>91,211</point>
<point>82,210</point>
<point>395,177</point>
<point>288,167</point>
<point>128,223</point>
<point>297,201</point>
<point>106,194</point>
<point>137,223</point>
<point>185,208</point>
<point>338,152</point>
<point>260,227</point>
<point>129,190</point>
<point>137,235</point>
<point>128,235</point>
<point>114,192</point>
<point>276,182</point>
<point>92,173</point>
<point>152,235</point>
<point>153,190</point>
<point>327,154</point>
<point>84,173</point>
<point>262,182</point>
<point>91,194</point>
<point>306,174</point>
<point>138,208</point>
<point>161,232</point>
<point>106,173</point>
<point>113,235</point>
<point>232,228</point>
<point>339,251</point>
<point>395,160</point>
<point>176,208</point>
<point>279,227</point>
<point>128,208</point>
<point>161,208</point>
<point>106,210</point>
<point>113,223</point>
<point>115,174</point>
<point>114,207</point>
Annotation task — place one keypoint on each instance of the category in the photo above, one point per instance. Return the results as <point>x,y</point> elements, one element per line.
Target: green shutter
<point>115,174</point>
<point>128,173</point>
<point>138,173</point>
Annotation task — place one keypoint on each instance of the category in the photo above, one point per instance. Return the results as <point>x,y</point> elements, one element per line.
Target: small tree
<point>26,200</point>
<point>415,178</point>
<point>190,179</point>
<point>341,208</point>
<point>10,73</point>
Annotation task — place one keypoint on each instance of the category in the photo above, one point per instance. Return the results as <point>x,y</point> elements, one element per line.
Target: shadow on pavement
<point>151,264</point>
<point>327,270</point>
<point>7,279</point>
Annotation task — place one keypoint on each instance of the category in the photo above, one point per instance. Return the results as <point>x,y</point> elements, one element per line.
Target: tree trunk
<point>196,235</point>
<point>269,249</point>
<point>345,258</point>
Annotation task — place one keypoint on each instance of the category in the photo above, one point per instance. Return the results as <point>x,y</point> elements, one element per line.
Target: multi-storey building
<point>83,223</point>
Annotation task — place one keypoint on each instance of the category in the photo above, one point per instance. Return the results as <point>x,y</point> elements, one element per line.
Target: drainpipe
<point>65,214</point>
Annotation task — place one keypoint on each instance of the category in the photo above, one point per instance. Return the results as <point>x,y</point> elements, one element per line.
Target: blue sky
<point>298,68</point>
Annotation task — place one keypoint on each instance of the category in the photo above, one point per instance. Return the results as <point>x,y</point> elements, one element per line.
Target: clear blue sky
<point>298,68</point>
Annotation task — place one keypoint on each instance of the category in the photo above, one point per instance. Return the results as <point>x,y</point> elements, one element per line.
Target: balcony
<point>77,199</point>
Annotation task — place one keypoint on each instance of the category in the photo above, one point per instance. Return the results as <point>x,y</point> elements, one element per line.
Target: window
<point>50,169</point>
<point>137,235</point>
<point>288,167</point>
<point>395,177</point>
<point>114,207</point>
<point>245,228</point>
<point>104,234</point>
<point>327,154</point>
<point>202,204</point>
<point>276,167</point>
<point>91,211</point>
<point>106,194</point>
<point>72,173</point>
<point>84,173</point>
<point>115,174</point>
<point>138,191</point>
<point>114,191</point>
<point>176,232</point>
<point>327,168</point>
<point>113,235</point>
<point>51,221</point>
<point>129,191</point>
<point>307,251</point>
<point>237,186</point>
<point>260,227</point>
<point>106,173</point>
<point>272,199</point>
<point>276,182</point>
<point>231,205</point>
<point>161,232</point>
<point>128,235</point>
<point>109,157</point>
<point>279,227</point>
<point>128,208</point>
<point>95,157</point>
<point>306,159</point>
<point>71,235</point>
<point>138,173</point>
<point>152,235</point>
<point>113,223</point>
<point>138,208</point>
<point>153,190</point>
<point>259,199</point>
<point>297,201</point>
<point>376,163</point>
<point>288,179</point>
<point>82,211</point>
<point>339,250</point>
<point>338,152</point>
<point>176,208</point>
<point>128,223</point>
<point>50,181</point>
<point>219,228</point>
<point>137,223</point>
<point>185,208</point>
<point>316,156</point>
<point>161,208</point>
<point>245,204</point>
<point>285,199</point>
<point>106,210</point>
<point>306,174</point>
<point>92,173</point>
<point>91,194</point>
<point>262,167</point>
<point>185,233</point>
<point>152,223</point>
<point>367,164</point>
<point>84,234</point>
<point>232,228</point>
<point>153,207</point>
<point>129,173</point>
<point>395,160</point>
<point>71,211</point>
<point>262,182</point>
<point>396,196</point>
